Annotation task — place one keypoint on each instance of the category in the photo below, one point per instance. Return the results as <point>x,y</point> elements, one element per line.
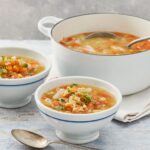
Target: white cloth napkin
<point>133,107</point>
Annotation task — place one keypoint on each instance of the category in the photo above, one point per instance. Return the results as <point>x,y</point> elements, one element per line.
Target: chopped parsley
<point>25,65</point>
<point>74,84</point>
<point>59,107</point>
<point>87,99</point>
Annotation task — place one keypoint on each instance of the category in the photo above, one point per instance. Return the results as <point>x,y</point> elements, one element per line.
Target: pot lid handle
<point>45,25</point>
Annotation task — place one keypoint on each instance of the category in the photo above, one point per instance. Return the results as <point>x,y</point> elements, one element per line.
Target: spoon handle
<point>73,145</point>
<point>138,40</point>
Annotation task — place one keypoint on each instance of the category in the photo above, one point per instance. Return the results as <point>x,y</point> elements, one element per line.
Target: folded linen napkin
<point>132,108</point>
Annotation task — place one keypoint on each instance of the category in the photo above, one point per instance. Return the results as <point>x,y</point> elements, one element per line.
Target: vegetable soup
<point>78,98</point>
<point>103,45</point>
<point>13,67</point>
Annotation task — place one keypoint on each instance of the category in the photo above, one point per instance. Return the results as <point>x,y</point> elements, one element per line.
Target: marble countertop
<point>114,136</point>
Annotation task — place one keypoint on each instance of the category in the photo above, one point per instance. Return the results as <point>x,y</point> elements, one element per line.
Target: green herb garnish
<point>25,65</point>
<point>69,90</point>
<point>74,84</point>
<point>87,99</point>
<point>4,58</point>
<point>62,100</point>
<point>3,71</point>
<point>59,107</point>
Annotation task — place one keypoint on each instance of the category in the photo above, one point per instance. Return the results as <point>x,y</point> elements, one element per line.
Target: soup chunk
<point>78,98</point>
<point>103,45</point>
<point>13,67</point>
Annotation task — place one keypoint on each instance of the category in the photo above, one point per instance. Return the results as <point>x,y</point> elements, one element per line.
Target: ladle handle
<point>138,40</point>
<point>73,145</point>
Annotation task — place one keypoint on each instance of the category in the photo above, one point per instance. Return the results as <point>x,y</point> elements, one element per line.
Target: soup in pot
<point>78,98</point>
<point>13,67</point>
<point>103,45</point>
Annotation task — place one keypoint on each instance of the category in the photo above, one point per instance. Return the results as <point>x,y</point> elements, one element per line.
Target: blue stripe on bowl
<point>25,83</point>
<point>78,121</point>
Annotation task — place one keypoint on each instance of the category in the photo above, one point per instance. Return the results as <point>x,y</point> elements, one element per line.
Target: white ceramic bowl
<point>17,92</point>
<point>77,128</point>
<point>129,73</point>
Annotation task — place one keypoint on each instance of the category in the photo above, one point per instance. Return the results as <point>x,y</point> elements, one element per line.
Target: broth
<point>78,98</point>
<point>13,67</point>
<point>103,45</point>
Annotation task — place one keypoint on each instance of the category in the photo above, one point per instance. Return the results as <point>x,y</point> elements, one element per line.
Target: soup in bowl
<point>21,72</point>
<point>126,69</point>
<point>14,67</point>
<point>78,107</point>
<point>105,45</point>
<point>78,98</point>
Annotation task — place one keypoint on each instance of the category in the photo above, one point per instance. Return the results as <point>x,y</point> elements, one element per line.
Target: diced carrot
<point>68,107</point>
<point>23,69</point>
<point>68,39</point>
<point>99,104</point>
<point>62,43</point>
<point>90,106</point>
<point>142,45</point>
<point>103,94</point>
<point>8,63</point>
<point>9,68</point>
<point>55,103</point>
<point>64,86</point>
<point>118,33</point>
<point>44,97</point>
<point>15,68</point>
<point>15,62</point>
<point>74,44</point>
<point>74,89</point>
<point>98,49</point>
<point>67,95</point>
<point>84,50</point>
<point>113,42</point>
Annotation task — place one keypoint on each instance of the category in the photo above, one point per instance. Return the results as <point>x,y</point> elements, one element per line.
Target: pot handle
<point>50,20</point>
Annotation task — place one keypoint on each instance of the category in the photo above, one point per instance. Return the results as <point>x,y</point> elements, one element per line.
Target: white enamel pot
<point>130,73</point>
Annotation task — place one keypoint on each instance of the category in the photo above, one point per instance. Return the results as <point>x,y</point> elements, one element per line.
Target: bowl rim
<point>57,113</point>
<point>24,80</point>
<point>88,14</point>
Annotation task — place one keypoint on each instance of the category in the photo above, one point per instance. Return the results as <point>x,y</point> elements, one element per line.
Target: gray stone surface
<point>18,18</point>
<point>114,136</point>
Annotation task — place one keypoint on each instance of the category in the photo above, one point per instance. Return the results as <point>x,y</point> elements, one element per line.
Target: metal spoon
<point>112,35</point>
<point>35,140</point>
<point>138,40</point>
<point>101,34</point>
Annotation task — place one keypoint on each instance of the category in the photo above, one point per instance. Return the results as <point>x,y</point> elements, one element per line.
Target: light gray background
<point>18,18</point>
